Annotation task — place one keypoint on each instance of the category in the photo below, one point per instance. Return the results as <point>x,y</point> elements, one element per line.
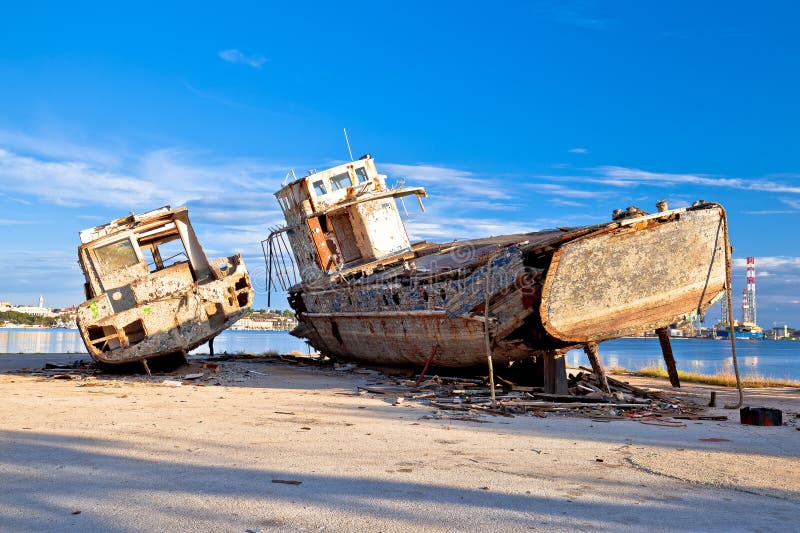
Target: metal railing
<point>281,268</point>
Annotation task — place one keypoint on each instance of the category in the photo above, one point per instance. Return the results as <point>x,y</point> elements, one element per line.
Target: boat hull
<point>548,292</point>
<point>164,314</point>
<point>404,339</point>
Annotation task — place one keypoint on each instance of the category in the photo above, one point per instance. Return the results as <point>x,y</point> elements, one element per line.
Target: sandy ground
<point>130,455</point>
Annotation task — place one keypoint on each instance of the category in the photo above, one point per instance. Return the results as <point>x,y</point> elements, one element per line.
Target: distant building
<point>265,323</point>
<point>780,332</point>
<point>33,310</point>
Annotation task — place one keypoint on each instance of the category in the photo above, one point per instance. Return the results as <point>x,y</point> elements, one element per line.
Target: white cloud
<point>71,182</point>
<point>566,203</point>
<point>445,228</point>
<point>770,212</point>
<point>554,189</point>
<point>578,151</point>
<point>450,179</point>
<point>159,177</point>
<point>572,15</point>
<point>622,176</point>
<point>233,55</point>
<point>57,148</point>
<point>769,262</point>
<point>791,202</point>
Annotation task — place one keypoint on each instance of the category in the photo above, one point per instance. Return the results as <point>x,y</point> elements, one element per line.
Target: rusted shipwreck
<point>363,292</point>
<point>151,291</point>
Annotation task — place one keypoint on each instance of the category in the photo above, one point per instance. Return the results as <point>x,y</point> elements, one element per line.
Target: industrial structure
<point>748,327</point>
<point>749,294</point>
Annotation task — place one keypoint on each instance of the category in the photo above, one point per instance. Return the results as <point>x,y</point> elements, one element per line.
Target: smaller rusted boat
<point>152,292</point>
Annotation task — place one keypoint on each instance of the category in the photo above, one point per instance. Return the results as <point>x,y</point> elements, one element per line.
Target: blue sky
<point>516,117</point>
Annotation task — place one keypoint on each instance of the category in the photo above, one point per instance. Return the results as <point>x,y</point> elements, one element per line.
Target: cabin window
<point>341,181</point>
<point>319,188</point>
<point>116,256</point>
<point>361,175</point>
<point>283,203</point>
<point>166,253</point>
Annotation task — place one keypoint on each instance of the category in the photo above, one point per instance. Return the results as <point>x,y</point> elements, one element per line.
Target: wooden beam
<point>669,359</point>
<point>590,349</point>
<point>555,373</point>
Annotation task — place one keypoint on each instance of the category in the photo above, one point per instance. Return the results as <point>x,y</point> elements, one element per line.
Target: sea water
<point>775,359</point>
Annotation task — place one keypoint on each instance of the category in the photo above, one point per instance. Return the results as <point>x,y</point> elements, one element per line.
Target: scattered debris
<point>171,383</point>
<point>451,395</point>
<point>287,481</point>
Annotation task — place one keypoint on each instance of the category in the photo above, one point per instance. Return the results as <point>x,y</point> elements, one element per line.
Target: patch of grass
<point>724,379</point>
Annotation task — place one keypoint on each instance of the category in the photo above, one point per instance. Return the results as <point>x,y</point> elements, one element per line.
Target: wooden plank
<point>555,373</point>
<point>597,367</point>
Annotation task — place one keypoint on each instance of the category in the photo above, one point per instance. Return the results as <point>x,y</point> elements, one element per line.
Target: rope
<point>729,298</point>
<point>486,330</point>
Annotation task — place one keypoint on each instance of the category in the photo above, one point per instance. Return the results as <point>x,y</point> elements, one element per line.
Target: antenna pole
<point>348,144</point>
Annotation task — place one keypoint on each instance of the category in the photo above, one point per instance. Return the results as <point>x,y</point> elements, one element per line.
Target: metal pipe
<point>286,253</point>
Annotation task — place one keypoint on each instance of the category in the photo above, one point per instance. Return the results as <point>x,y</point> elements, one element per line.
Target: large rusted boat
<point>363,292</point>
<point>151,291</point>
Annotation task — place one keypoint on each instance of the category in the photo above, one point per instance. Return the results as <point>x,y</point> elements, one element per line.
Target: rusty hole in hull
<point>241,284</point>
<point>424,295</point>
<point>442,294</point>
<point>396,298</point>
<point>335,331</point>
<point>242,298</point>
<point>135,332</point>
<point>104,338</point>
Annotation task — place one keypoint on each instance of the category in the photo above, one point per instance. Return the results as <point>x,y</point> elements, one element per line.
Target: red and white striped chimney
<point>751,289</point>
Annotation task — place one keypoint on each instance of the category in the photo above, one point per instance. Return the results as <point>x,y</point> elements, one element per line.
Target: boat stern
<point>641,274</point>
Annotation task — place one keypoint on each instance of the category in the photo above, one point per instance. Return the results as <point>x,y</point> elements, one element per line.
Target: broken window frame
<point>152,238</point>
<point>338,181</point>
<point>319,187</point>
<point>361,175</point>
